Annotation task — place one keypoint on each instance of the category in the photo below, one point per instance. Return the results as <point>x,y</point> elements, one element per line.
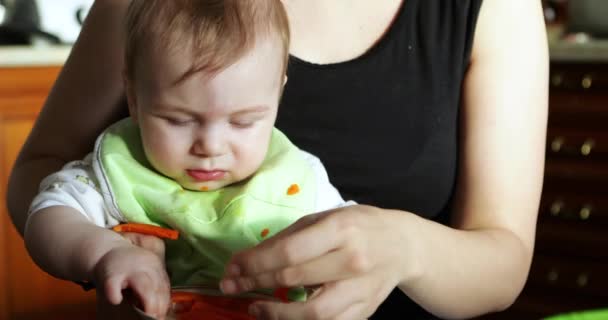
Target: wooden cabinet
<point>26,292</point>
<point>570,267</point>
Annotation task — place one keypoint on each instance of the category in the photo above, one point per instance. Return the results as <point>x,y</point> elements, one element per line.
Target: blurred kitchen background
<point>570,267</point>
<point>24,22</point>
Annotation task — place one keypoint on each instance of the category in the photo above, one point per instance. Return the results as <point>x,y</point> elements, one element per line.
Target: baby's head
<point>203,81</point>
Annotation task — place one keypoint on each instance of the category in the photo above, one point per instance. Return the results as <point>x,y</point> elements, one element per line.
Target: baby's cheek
<point>250,160</point>
<point>166,161</point>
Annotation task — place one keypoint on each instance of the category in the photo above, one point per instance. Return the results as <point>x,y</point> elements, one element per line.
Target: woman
<point>431,112</point>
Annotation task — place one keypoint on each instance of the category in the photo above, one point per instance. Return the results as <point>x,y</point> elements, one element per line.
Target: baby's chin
<point>204,186</point>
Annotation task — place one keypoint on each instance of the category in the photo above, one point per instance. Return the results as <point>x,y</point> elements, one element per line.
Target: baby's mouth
<point>206,175</point>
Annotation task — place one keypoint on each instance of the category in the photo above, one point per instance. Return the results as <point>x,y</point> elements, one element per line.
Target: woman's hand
<point>355,255</point>
<point>138,266</point>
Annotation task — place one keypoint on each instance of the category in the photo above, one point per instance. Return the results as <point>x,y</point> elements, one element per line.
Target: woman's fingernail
<point>254,310</point>
<point>228,286</point>
<point>233,270</point>
<point>245,283</point>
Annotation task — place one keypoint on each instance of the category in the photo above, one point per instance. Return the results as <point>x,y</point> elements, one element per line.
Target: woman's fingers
<point>356,311</point>
<point>334,266</point>
<point>336,298</point>
<point>344,250</point>
<point>308,238</point>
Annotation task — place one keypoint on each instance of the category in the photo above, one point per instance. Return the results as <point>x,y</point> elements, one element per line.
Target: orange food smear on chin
<point>265,233</point>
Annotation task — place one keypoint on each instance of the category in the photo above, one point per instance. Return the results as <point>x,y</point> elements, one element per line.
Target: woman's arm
<point>87,97</point>
<point>484,266</point>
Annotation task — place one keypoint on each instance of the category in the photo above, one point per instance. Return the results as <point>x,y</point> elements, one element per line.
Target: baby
<point>199,153</point>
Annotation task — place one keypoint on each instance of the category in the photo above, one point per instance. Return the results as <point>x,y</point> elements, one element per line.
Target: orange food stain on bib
<point>293,189</point>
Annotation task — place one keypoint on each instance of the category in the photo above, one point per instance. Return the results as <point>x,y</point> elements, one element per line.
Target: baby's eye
<point>242,124</point>
<point>177,122</point>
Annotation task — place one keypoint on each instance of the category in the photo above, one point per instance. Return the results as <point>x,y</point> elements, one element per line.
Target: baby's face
<point>207,132</point>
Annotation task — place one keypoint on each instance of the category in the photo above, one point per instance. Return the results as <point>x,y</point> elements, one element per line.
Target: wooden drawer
<point>569,110</point>
<point>27,292</point>
<point>585,145</point>
<point>572,240</point>
<point>576,175</point>
<point>579,77</point>
<point>536,303</point>
<point>568,207</point>
<point>570,276</point>
<point>570,265</point>
<point>20,82</point>
<point>542,298</point>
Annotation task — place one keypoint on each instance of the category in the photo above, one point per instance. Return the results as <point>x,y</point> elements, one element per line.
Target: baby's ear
<point>131,97</point>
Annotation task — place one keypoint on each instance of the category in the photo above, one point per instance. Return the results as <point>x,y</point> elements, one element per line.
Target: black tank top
<point>386,123</point>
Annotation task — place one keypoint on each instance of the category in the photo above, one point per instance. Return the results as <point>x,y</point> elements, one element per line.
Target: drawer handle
<point>587,147</point>
<point>556,208</point>
<point>582,280</point>
<point>557,144</point>
<point>552,276</point>
<point>557,80</point>
<point>585,212</point>
<point>587,82</point>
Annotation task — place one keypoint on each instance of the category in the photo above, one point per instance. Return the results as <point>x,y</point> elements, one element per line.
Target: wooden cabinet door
<point>26,292</point>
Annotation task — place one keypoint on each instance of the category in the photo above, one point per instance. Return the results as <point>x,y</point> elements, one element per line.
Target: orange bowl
<point>198,303</point>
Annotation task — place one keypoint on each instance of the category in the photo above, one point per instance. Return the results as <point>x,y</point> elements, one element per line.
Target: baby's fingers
<point>152,293</point>
<point>112,288</point>
<point>151,243</point>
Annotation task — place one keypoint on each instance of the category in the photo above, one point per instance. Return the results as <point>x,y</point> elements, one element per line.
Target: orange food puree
<point>194,306</point>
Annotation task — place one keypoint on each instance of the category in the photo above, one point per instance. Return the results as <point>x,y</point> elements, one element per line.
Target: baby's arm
<point>66,235</point>
<point>65,244</point>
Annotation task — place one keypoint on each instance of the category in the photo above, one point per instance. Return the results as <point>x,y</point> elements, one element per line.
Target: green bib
<point>213,224</point>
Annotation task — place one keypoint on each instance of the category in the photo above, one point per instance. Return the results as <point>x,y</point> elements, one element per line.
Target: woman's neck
<point>338,30</point>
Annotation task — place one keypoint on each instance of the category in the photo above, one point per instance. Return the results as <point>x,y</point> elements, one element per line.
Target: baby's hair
<point>219,32</point>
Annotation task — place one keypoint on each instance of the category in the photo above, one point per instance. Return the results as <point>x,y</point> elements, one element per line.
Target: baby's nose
<point>208,143</point>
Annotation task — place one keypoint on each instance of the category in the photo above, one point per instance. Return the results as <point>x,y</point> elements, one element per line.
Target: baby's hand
<point>152,243</point>
<point>140,270</point>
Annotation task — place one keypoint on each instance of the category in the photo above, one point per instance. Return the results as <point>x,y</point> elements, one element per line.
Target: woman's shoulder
<point>505,23</point>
